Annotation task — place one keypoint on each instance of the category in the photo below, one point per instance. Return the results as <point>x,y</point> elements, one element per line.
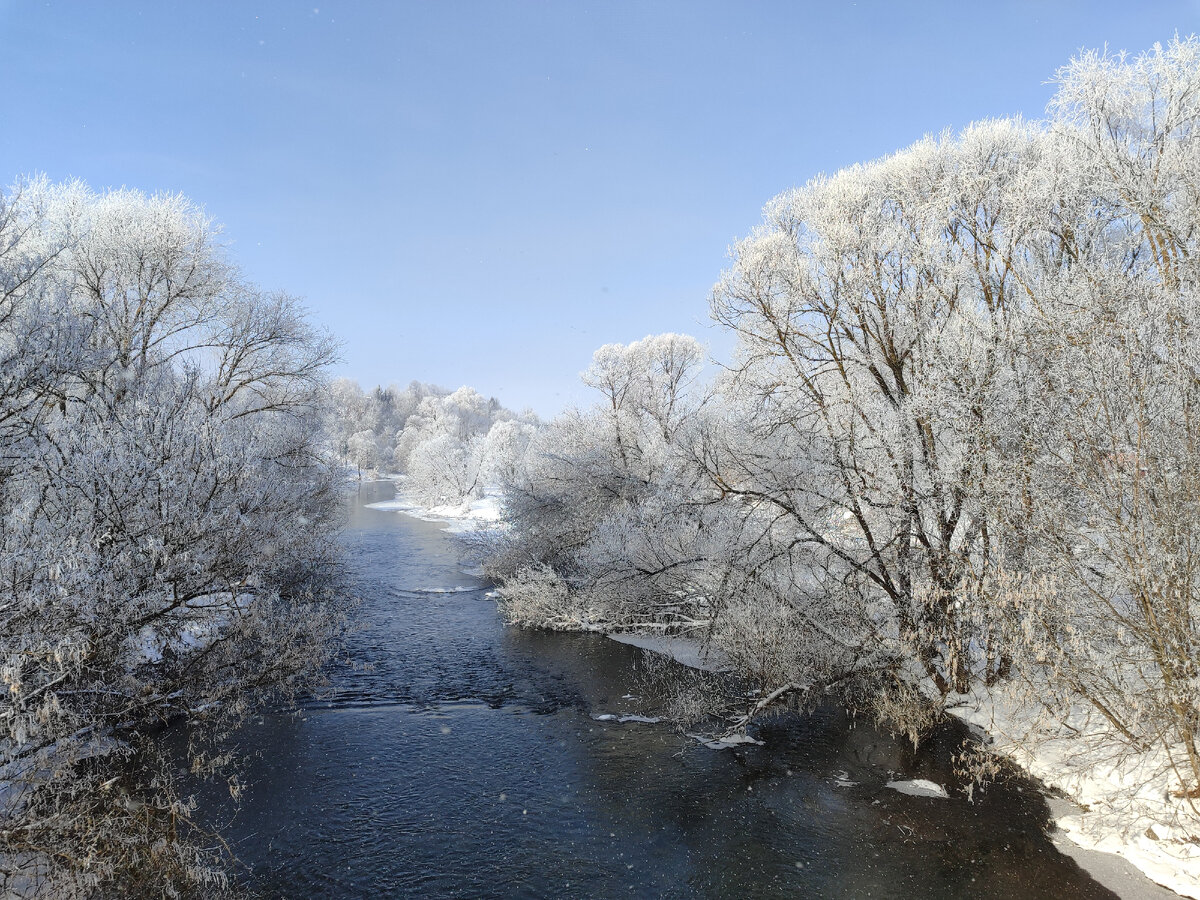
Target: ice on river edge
<point>724,742</point>
<point>919,787</point>
<point>686,651</point>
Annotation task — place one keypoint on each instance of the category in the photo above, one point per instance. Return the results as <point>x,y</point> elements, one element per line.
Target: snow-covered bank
<point>461,518</point>
<point>1125,807</point>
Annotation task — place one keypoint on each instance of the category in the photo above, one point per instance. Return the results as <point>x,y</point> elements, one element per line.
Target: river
<point>456,757</point>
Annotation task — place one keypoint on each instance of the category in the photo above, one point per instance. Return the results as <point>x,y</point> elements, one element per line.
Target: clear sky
<point>483,193</point>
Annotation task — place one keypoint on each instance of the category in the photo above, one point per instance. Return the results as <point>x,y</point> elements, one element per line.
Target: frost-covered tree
<point>444,447</point>
<point>449,445</point>
<point>443,469</point>
<point>363,451</point>
<point>874,311</point>
<point>956,443</point>
<point>603,499</point>
<point>1102,507</point>
<point>505,446</point>
<point>167,532</point>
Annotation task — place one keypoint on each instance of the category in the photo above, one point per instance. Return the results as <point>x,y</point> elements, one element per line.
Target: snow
<point>460,518</point>
<point>203,620</point>
<point>1122,808</point>
<point>396,506</point>
<point>919,787</point>
<point>612,717</point>
<point>688,651</point>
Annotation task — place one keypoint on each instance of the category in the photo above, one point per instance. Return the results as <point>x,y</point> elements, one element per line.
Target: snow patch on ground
<point>188,629</point>
<point>1125,807</point>
<point>472,516</point>
<point>612,717</point>
<point>395,506</point>
<point>919,787</point>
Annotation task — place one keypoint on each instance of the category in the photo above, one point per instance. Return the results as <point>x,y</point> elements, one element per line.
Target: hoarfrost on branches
<point>169,512</point>
<point>956,449</point>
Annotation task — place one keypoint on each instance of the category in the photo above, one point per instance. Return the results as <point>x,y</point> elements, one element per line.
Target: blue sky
<point>483,193</point>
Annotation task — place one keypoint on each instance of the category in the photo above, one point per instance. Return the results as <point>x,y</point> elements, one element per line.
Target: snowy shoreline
<point>1124,809</point>
<point>460,518</point>
<point>1098,831</point>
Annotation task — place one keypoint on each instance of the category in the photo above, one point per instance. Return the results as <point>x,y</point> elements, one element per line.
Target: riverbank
<point>1123,837</point>
<point>1107,829</point>
<point>460,518</point>
<point>1104,828</point>
<point>1124,807</point>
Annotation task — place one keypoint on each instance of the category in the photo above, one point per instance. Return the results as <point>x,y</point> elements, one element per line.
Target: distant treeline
<point>450,444</point>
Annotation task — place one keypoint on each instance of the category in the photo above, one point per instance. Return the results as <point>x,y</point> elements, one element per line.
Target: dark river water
<point>455,757</point>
